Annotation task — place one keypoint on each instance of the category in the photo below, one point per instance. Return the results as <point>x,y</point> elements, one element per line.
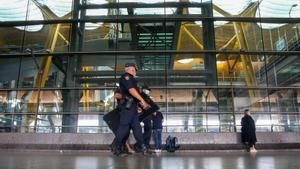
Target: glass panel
<point>192,100</point>
<point>29,76</point>
<point>225,100</point>
<point>281,38</point>
<point>96,2</point>
<point>285,100</point>
<point>58,7</point>
<point>200,122</point>
<point>244,70</point>
<point>281,8</point>
<point>9,72</point>
<point>10,44</point>
<point>188,70</point>
<point>51,101</point>
<point>238,118</point>
<point>26,109</point>
<point>159,96</point>
<point>266,8</point>
<point>91,124</point>
<point>184,123</point>
<point>153,70</point>
<point>49,124</point>
<point>53,38</point>
<point>16,10</point>
<point>226,123</point>
<point>100,70</point>
<point>285,122</point>
<point>5,120</point>
<point>103,36</point>
<point>283,70</point>
<point>97,101</point>
<point>262,122</point>
<point>213,123</point>
<point>255,100</point>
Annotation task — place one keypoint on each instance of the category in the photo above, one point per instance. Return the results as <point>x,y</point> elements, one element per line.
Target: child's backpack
<point>171,144</point>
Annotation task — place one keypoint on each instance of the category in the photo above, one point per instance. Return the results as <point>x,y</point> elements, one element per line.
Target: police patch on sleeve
<point>127,77</point>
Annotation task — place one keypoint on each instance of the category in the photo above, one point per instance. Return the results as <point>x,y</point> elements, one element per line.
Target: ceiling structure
<point>155,36</point>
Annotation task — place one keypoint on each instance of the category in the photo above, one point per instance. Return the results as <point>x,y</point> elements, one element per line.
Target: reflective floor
<point>18,159</point>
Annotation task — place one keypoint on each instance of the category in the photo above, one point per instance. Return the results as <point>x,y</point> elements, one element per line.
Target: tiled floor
<point>26,159</point>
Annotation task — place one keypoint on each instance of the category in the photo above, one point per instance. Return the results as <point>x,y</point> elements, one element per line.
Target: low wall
<point>190,141</point>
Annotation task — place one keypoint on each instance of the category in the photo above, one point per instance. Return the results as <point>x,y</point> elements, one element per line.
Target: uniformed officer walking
<point>128,114</point>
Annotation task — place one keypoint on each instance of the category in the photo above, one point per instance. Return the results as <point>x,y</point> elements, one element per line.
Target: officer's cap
<point>131,65</point>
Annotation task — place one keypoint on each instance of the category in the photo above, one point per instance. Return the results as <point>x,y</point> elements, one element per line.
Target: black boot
<point>120,152</point>
<point>137,148</point>
<point>145,150</point>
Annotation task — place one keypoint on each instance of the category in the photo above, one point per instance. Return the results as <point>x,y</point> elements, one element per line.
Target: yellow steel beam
<point>240,32</point>
<point>232,40</point>
<point>221,11</point>
<point>179,41</point>
<point>63,38</point>
<point>250,77</point>
<point>46,62</point>
<point>179,38</point>
<point>194,39</point>
<point>236,45</point>
<point>246,61</point>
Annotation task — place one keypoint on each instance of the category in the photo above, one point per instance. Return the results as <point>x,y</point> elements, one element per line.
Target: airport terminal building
<point>206,61</point>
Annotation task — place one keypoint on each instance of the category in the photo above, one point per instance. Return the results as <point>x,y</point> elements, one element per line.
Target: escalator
<point>282,70</point>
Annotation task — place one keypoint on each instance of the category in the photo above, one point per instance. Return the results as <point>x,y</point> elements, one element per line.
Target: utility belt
<point>127,101</point>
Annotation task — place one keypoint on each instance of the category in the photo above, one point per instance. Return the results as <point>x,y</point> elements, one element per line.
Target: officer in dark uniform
<point>128,114</point>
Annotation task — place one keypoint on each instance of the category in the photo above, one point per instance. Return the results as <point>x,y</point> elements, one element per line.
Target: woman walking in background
<point>248,131</point>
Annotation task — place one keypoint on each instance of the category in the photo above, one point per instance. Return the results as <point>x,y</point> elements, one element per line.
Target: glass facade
<point>205,60</point>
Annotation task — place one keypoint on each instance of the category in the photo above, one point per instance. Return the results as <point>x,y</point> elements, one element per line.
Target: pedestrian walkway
<point>18,159</point>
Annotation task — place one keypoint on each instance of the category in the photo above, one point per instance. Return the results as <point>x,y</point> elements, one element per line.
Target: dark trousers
<point>157,138</point>
<point>129,120</point>
<point>147,130</point>
<point>114,142</point>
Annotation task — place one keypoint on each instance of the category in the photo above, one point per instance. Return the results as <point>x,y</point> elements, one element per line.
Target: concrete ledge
<point>188,141</point>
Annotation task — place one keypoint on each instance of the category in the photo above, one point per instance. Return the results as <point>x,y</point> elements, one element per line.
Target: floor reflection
<point>178,160</point>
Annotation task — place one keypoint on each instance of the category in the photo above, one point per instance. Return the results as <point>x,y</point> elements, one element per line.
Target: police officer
<point>128,114</point>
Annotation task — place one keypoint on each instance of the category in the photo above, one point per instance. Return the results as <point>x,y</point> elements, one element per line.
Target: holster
<point>128,102</point>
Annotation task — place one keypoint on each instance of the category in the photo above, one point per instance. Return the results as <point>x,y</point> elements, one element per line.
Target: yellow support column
<point>86,93</point>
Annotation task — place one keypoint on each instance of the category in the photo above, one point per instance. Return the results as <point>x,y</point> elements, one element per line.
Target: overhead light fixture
<point>187,60</point>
